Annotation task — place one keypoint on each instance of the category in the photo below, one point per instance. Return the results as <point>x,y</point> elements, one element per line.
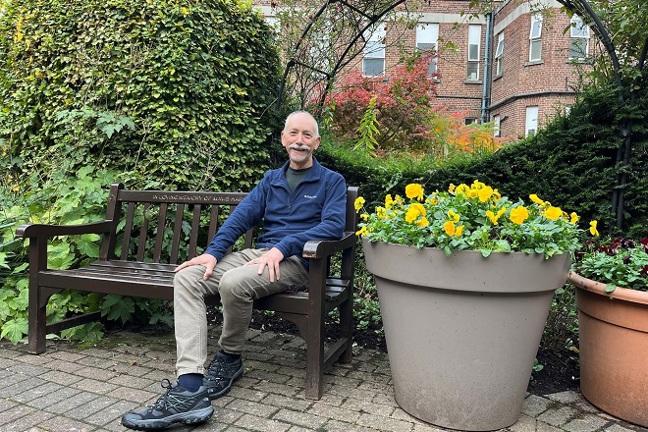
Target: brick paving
<point>73,388</point>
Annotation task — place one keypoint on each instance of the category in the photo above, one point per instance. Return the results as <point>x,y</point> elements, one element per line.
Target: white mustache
<point>299,147</point>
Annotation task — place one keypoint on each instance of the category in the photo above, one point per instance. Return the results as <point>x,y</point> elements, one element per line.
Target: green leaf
<point>610,288</point>
<point>15,329</point>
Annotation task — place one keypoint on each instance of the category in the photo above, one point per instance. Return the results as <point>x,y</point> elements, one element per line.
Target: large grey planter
<point>462,331</point>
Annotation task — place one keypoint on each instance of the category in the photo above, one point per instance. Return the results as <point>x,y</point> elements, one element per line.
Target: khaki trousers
<point>238,286</point>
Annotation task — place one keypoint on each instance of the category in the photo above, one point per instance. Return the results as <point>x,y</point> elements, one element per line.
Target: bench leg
<point>37,321</point>
<point>315,361</point>
<point>346,328</point>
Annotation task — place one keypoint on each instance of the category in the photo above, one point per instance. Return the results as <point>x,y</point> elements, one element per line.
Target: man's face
<point>300,140</point>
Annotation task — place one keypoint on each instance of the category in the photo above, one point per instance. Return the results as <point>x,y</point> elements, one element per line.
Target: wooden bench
<point>146,234</point>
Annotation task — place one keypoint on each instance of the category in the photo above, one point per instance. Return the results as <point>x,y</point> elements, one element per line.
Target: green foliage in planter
<point>622,263</point>
<point>165,89</point>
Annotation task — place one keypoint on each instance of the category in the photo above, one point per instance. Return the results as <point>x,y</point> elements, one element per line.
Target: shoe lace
<point>162,401</point>
<point>216,370</point>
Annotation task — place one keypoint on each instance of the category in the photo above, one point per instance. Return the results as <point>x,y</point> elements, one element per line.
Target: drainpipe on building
<point>486,88</point>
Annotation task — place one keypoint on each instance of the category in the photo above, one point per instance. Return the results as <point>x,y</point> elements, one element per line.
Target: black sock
<point>191,381</point>
<point>232,357</point>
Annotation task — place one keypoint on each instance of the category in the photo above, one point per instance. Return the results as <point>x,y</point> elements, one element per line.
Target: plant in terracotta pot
<point>611,281</point>
<point>465,279</point>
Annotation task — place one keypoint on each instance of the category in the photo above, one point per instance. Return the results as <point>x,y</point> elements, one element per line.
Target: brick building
<point>514,67</point>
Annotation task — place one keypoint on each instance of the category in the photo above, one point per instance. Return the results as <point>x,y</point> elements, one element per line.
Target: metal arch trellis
<point>342,61</point>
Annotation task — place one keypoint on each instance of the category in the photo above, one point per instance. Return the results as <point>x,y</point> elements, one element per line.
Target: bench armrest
<point>315,249</point>
<point>48,231</point>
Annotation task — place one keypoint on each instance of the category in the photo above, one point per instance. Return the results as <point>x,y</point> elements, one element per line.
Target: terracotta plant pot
<point>462,331</point>
<point>613,335</point>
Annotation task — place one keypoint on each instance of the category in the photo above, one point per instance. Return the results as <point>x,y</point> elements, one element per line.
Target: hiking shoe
<point>176,405</point>
<point>222,372</point>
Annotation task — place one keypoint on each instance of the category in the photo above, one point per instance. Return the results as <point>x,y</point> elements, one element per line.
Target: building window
<point>474,45</point>
<point>535,38</point>
<point>427,39</point>
<point>499,55</point>
<point>578,39</point>
<point>531,127</point>
<point>497,131</point>
<point>470,120</point>
<point>373,62</point>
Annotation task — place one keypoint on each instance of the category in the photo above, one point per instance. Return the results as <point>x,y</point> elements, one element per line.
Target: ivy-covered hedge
<point>570,163</point>
<point>174,91</point>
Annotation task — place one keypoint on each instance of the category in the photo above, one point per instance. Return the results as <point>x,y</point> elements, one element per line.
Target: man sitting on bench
<point>299,202</point>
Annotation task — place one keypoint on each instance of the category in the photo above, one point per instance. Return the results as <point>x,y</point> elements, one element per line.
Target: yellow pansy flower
<point>477,185</point>
<point>493,218</point>
<point>462,189</point>
<point>553,213</point>
<point>449,228</point>
<point>381,212</point>
<point>432,200</point>
<point>574,217</point>
<point>414,190</point>
<point>453,215</point>
<point>359,203</point>
<point>362,231</point>
<point>389,201</point>
<point>593,229</point>
<point>536,200</point>
<point>412,214</point>
<point>452,187</point>
<point>519,214</point>
<point>485,193</point>
<point>496,195</point>
<point>473,193</point>
<point>423,222</point>
<point>420,208</point>
<point>459,230</point>
<point>364,216</point>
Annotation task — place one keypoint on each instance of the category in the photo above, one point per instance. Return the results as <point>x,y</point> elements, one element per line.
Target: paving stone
<point>48,400</point>
<point>94,386</point>
<point>535,405</point>
<point>20,387</point>
<point>558,416</point>
<point>64,424</point>
<point>617,428</point>
<point>587,423</point>
<point>72,402</point>
<point>299,418</point>
<point>565,397</point>
<point>250,422</point>
<point>27,422</point>
<point>14,412</point>
<point>59,377</point>
<point>384,423</point>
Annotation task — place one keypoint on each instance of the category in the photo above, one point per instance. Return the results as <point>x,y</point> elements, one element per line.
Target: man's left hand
<point>271,259</point>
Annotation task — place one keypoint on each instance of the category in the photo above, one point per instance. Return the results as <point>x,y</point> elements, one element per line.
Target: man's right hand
<point>206,260</point>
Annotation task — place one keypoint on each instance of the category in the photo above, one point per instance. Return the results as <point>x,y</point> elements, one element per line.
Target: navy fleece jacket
<point>315,211</point>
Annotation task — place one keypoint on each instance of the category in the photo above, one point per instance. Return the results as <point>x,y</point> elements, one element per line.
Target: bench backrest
<point>172,227</point>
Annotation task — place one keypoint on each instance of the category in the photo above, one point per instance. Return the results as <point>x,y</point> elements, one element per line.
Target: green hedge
<point>178,92</point>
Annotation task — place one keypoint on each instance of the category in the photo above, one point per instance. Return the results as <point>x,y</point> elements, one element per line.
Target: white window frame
<point>374,48</point>
<point>577,31</point>
<point>499,55</point>
<point>531,123</point>
<point>474,50</point>
<point>497,126</point>
<point>535,38</point>
<point>427,39</point>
